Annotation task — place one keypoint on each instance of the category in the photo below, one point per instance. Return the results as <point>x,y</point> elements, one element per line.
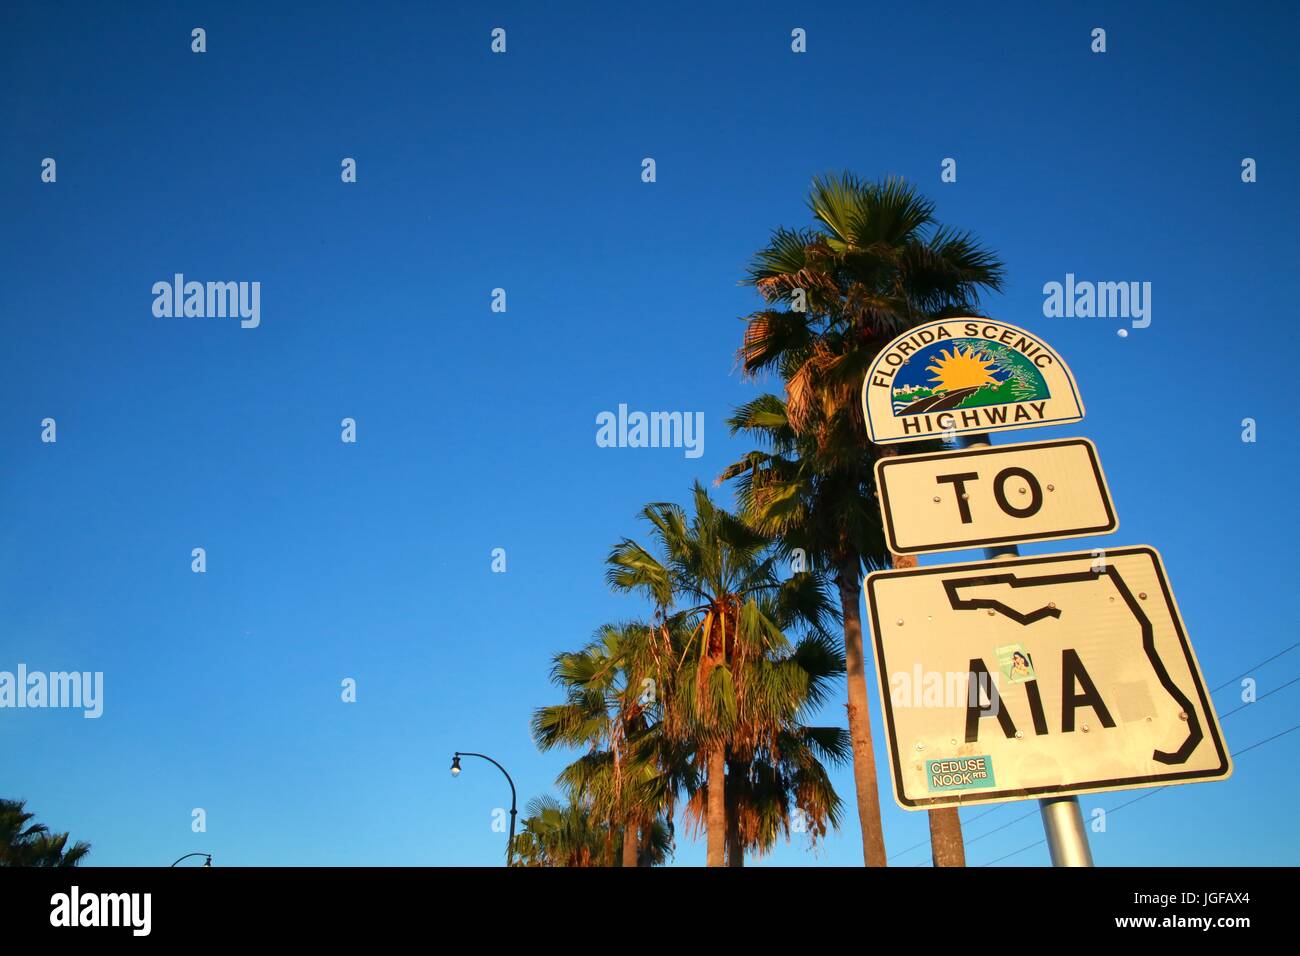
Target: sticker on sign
<point>962,375</point>
<point>976,497</point>
<point>1039,676</point>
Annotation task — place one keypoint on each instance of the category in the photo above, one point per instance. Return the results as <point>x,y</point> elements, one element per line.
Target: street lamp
<point>207,862</point>
<point>455,772</point>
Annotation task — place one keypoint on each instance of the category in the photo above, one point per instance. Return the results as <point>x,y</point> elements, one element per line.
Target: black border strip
<point>1001,795</point>
<point>1112,523</point>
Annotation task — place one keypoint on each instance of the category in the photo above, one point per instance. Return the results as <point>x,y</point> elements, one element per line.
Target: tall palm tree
<point>24,843</point>
<point>822,512</point>
<point>876,264</point>
<point>729,680</point>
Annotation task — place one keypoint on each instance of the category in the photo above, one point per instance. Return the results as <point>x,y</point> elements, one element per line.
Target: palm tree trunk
<point>716,813</point>
<point>643,848</point>
<point>946,846</point>
<point>630,844</point>
<point>864,756</point>
<point>735,848</point>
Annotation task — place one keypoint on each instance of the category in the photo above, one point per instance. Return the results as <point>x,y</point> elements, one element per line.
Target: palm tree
<point>556,834</point>
<point>877,264</point>
<point>729,682</point>
<point>571,834</point>
<point>823,513</point>
<point>23,843</point>
<point>608,709</point>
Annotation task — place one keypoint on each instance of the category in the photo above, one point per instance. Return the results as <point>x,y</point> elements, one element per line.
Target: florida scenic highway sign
<point>975,497</point>
<point>957,376</point>
<point>1039,676</point>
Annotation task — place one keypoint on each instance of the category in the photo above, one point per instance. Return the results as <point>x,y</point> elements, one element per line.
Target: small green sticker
<point>960,773</point>
<point>1015,664</point>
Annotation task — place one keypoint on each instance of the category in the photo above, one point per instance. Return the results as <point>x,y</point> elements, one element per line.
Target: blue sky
<point>476,429</point>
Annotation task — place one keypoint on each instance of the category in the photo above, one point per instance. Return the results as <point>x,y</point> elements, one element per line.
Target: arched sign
<point>965,375</point>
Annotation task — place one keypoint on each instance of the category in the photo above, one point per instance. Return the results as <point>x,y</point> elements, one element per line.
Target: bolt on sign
<point>1039,676</point>
<point>976,497</point>
<point>957,376</point>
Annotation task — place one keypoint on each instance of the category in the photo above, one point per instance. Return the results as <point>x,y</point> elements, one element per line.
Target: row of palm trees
<point>755,616</point>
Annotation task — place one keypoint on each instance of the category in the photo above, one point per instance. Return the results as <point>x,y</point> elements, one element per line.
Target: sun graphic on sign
<point>961,370</point>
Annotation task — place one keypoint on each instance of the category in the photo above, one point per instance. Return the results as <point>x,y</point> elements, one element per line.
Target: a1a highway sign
<point>982,496</point>
<point>1039,676</point>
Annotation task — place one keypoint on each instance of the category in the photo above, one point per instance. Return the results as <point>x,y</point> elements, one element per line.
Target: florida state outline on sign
<point>963,375</point>
<point>1039,676</point>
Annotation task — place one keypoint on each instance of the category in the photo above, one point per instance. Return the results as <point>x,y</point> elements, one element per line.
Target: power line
<point>1150,793</point>
<point>915,846</point>
<point>1269,740</point>
<point>1015,852</point>
<point>1128,803</point>
<point>1258,699</point>
<point>1003,827</point>
<point>965,823</point>
<point>994,809</point>
<point>973,839</point>
<point>1256,667</point>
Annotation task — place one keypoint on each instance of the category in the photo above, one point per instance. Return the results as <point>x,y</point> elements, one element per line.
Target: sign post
<point>1067,839</point>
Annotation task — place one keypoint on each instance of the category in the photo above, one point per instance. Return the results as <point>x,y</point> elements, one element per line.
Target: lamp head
<point>455,765</point>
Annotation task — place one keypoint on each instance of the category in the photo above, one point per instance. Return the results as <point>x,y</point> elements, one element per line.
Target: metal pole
<point>1067,840</point>
<point>208,862</point>
<point>510,845</point>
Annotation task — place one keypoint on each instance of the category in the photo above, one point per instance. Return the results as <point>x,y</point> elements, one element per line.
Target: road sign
<point>964,375</point>
<point>1039,676</point>
<point>975,497</point>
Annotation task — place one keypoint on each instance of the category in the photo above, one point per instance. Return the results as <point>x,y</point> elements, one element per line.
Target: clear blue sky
<point>477,429</point>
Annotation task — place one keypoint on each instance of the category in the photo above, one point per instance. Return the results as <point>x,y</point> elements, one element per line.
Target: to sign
<point>946,501</point>
<point>1039,676</point>
<point>956,376</point>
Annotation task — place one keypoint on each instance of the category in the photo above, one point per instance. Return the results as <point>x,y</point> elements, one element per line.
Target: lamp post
<point>455,772</point>
<point>207,862</point>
